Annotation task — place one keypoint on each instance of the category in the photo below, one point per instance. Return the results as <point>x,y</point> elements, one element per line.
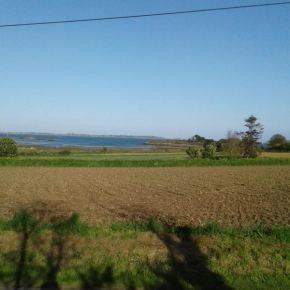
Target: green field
<point>148,160</point>
<point>118,157</point>
<point>141,256</point>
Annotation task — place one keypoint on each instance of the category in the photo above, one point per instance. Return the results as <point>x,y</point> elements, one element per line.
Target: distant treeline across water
<point>60,141</point>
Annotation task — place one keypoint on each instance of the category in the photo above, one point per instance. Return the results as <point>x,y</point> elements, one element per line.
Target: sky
<point>169,76</point>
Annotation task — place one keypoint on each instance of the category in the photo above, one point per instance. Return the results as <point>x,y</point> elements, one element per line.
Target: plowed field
<point>193,195</point>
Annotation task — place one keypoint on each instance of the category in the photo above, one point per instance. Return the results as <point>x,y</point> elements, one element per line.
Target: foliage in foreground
<point>70,253</point>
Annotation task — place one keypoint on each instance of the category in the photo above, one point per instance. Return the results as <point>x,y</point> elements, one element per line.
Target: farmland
<point>194,195</point>
<point>127,220</point>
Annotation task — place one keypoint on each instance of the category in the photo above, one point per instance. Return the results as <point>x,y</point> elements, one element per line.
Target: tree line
<point>243,144</point>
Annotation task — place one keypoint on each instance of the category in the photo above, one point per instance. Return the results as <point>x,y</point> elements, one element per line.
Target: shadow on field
<point>28,272</point>
<point>18,273</point>
<point>26,229</point>
<point>53,261</point>
<point>56,249</point>
<point>188,265</point>
<point>40,255</point>
<point>96,278</point>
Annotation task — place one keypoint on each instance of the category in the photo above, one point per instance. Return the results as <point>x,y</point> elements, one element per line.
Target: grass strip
<point>71,254</point>
<point>25,220</point>
<point>62,162</point>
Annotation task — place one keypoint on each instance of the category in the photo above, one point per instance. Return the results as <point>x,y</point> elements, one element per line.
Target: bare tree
<point>232,144</point>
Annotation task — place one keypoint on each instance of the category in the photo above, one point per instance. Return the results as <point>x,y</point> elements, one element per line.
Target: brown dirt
<point>276,154</point>
<point>195,195</point>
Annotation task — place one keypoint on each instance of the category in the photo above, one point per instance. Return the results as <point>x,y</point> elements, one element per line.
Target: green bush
<point>65,152</point>
<point>209,152</point>
<point>208,142</point>
<point>8,147</point>
<point>277,139</point>
<point>32,151</point>
<point>193,151</point>
<point>104,149</point>
<point>285,146</point>
<point>28,151</point>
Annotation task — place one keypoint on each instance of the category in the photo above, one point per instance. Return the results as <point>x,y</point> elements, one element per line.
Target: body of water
<point>78,141</point>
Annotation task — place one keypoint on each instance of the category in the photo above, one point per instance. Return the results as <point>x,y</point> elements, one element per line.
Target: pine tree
<point>251,136</point>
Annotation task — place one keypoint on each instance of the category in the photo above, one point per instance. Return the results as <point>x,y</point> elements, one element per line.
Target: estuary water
<point>85,141</point>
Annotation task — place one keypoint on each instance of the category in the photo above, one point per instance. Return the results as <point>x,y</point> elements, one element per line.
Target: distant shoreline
<point>80,135</point>
<point>36,139</point>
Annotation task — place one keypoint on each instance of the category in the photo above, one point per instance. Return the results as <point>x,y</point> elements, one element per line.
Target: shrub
<point>8,147</point>
<point>209,151</point>
<point>208,142</point>
<point>276,139</point>
<point>28,151</point>
<point>220,145</point>
<point>104,149</point>
<point>259,150</point>
<point>193,151</point>
<point>285,146</point>
<point>32,151</point>
<point>65,152</point>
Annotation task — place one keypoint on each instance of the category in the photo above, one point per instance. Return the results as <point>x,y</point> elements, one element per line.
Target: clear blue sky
<point>172,76</point>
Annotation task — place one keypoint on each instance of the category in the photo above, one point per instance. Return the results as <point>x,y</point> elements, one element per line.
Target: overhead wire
<point>144,15</point>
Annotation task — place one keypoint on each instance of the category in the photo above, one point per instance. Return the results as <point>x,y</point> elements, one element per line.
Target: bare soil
<point>195,195</point>
<point>276,154</point>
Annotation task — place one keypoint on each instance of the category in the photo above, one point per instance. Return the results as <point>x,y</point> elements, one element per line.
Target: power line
<point>145,15</point>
